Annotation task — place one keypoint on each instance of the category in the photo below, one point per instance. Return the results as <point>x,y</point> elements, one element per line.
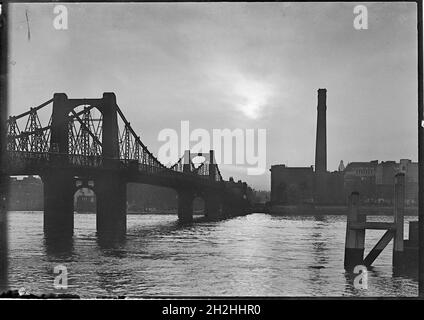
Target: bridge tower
<point>59,184</point>
<point>110,187</point>
<point>213,199</point>
<point>185,195</point>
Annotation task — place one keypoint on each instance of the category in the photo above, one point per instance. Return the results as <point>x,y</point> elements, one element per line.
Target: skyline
<point>191,62</point>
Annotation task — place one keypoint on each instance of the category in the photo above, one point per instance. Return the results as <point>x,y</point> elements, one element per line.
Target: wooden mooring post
<point>357,225</point>
<point>399,205</point>
<point>355,237</point>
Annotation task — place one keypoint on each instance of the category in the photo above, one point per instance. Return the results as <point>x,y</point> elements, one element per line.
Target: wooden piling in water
<point>379,247</point>
<point>355,237</point>
<point>357,225</point>
<point>399,210</point>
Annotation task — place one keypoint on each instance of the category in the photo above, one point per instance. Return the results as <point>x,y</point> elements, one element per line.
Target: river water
<point>253,255</point>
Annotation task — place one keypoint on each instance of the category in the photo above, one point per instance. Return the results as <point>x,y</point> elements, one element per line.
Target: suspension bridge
<point>89,143</point>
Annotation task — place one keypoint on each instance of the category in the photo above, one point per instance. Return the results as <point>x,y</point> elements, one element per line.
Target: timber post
<point>399,211</point>
<point>355,237</point>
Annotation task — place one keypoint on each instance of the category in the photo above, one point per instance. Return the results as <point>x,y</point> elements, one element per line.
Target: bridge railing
<point>18,160</point>
<point>26,161</point>
<point>153,169</point>
<point>143,167</point>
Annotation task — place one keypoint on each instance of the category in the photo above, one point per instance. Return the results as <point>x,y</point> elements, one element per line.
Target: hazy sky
<point>233,65</point>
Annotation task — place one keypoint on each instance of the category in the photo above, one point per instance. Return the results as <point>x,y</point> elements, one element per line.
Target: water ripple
<point>255,255</point>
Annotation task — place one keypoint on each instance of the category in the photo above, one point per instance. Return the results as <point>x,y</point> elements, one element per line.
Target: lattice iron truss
<point>85,133</point>
<point>33,137</point>
<point>27,134</point>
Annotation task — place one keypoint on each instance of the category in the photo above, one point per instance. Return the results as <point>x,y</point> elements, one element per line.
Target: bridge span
<point>89,143</point>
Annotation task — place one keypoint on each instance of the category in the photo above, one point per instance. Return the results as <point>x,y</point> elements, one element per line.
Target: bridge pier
<point>58,204</point>
<point>185,205</point>
<point>111,197</point>
<point>213,206</point>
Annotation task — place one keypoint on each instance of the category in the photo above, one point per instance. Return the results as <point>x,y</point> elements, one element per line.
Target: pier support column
<point>111,196</point>
<point>185,205</point>
<point>231,205</point>
<point>213,206</point>
<point>59,191</point>
<point>399,207</point>
<point>355,238</point>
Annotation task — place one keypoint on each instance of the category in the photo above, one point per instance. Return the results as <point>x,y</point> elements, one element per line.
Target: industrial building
<point>373,180</point>
<point>296,185</point>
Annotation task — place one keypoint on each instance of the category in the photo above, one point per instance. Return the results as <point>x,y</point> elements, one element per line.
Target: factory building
<point>373,180</point>
<point>296,185</point>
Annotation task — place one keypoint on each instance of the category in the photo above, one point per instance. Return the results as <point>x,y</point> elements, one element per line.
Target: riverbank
<point>335,210</point>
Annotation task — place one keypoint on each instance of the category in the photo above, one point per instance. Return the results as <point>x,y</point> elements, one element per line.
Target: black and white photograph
<point>211,149</point>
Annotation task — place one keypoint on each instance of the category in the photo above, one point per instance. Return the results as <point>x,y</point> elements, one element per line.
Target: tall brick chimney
<point>321,143</point>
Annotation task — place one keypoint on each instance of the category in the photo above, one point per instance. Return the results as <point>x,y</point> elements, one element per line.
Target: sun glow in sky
<point>253,97</point>
<point>247,93</point>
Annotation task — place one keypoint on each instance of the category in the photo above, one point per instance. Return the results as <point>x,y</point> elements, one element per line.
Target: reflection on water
<point>255,255</point>
<point>106,242</point>
<point>57,246</point>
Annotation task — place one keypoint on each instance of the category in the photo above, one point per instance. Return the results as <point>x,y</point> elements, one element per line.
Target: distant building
<point>385,175</point>
<point>341,166</point>
<point>386,170</point>
<point>239,188</point>
<point>410,169</point>
<point>261,196</point>
<point>85,200</point>
<point>375,181</point>
<point>384,180</point>
<point>25,194</point>
<point>360,177</point>
<point>291,185</point>
<point>329,189</point>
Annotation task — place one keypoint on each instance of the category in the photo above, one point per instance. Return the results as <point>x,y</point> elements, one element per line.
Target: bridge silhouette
<point>89,143</point>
